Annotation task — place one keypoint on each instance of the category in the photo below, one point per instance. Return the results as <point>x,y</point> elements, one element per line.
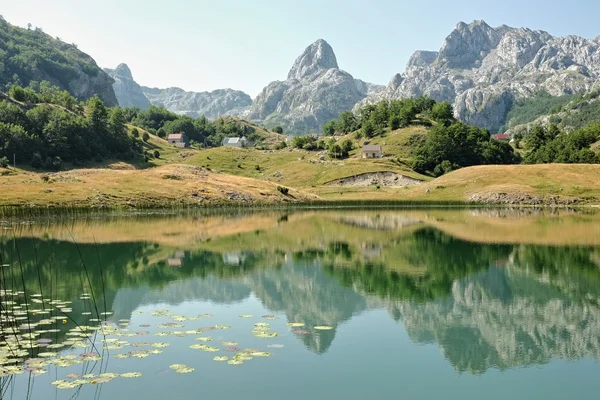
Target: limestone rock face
<point>210,104</point>
<point>483,70</point>
<point>128,92</point>
<point>315,91</point>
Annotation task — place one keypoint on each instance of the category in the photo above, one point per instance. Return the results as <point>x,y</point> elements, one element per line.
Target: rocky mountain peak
<point>128,92</point>
<point>124,71</point>
<point>467,45</point>
<point>421,58</point>
<point>317,57</point>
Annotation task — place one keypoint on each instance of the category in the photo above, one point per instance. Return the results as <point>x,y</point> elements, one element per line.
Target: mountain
<point>128,92</point>
<point>28,55</point>
<point>210,104</point>
<point>315,91</point>
<point>484,70</point>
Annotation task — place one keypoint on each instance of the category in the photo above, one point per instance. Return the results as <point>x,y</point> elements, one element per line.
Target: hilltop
<point>30,55</point>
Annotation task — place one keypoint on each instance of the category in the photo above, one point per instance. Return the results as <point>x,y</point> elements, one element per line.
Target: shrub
<point>36,160</point>
<point>145,137</point>
<point>283,190</point>
<point>161,133</point>
<point>257,167</point>
<point>278,129</point>
<point>156,154</point>
<point>45,178</point>
<point>281,145</point>
<point>135,133</point>
<point>4,162</point>
<point>172,177</point>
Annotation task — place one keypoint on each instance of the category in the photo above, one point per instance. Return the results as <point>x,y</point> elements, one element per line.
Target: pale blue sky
<point>244,44</point>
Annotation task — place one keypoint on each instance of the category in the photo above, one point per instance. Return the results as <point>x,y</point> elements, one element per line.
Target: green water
<point>421,305</point>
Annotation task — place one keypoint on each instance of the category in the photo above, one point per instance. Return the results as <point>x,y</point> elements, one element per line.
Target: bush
<point>278,129</point>
<point>135,133</point>
<point>3,162</point>
<point>36,161</point>
<point>281,145</point>
<point>145,137</point>
<point>161,133</point>
<point>156,154</point>
<point>283,190</point>
<point>257,167</point>
<point>45,178</point>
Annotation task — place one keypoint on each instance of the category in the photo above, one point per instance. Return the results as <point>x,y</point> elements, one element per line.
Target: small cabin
<point>238,142</point>
<point>177,140</point>
<point>372,151</point>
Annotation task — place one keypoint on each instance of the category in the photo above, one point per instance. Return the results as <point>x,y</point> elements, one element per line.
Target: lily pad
<point>295,324</point>
<point>323,328</point>
<point>221,358</point>
<point>131,375</point>
<point>185,370</point>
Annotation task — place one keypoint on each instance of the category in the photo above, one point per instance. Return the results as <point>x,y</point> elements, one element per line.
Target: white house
<point>372,151</point>
<point>239,142</point>
<point>178,140</point>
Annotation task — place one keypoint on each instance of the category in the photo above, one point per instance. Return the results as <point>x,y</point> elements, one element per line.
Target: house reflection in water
<point>233,258</point>
<point>176,259</point>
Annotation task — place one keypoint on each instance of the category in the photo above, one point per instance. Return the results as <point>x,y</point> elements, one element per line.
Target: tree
<point>17,93</point>
<point>161,133</point>
<point>135,133</point>
<point>145,137</point>
<point>443,113</point>
<point>369,129</point>
<point>347,122</point>
<point>4,162</point>
<point>381,114</point>
<point>278,129</point>
<point>335,151</point>
<point>329,128</point>
<point>346,147</point>
<point>395,122</point>
<point>156,154</point>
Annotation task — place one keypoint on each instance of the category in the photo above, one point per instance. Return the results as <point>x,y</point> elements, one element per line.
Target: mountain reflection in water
<point>445,275</point>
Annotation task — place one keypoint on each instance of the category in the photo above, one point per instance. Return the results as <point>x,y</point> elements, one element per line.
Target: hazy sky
<point>245,44</point>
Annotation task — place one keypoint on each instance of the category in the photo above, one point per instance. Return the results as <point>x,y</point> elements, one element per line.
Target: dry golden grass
<point>172,185</point>
<point>567,181</point>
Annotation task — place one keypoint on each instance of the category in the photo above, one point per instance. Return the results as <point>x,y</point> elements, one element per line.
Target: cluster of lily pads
<point>29,328</point>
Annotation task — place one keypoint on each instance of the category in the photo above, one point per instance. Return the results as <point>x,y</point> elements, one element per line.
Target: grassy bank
<point>190,186</point>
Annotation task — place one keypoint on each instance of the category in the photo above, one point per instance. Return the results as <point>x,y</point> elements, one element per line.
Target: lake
<point>338,304</point>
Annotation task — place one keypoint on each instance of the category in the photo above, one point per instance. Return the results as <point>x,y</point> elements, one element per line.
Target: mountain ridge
<point>484,70</point>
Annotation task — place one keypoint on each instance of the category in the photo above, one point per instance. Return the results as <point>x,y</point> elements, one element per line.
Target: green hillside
<point>29,56</point>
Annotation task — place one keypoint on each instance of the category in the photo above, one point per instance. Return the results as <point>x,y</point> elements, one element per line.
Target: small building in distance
<point>502,136</point>
<point>238,142</point>
<point>178,140</point>
<point>372,151</point>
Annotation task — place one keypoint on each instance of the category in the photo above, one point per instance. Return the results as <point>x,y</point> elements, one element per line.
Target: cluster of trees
<point>200,131</point>
<point>47,134</point>
<point>372,119</point>
<point>551,145</point>
<point>458,145</point>
<point>335,149</point>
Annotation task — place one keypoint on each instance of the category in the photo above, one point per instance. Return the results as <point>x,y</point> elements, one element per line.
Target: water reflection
<point>486,303</point>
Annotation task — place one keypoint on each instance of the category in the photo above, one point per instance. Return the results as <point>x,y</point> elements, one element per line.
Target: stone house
<point>178,140</point>
<point>372,151</point>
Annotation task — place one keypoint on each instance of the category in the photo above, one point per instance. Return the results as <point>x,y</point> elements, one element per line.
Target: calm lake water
<point>426,304</point>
